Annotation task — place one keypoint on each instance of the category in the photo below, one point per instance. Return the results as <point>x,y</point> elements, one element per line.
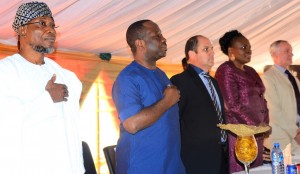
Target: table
<point>266,168</point>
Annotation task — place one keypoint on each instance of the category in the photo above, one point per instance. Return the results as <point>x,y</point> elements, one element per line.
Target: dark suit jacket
<point>201,147</point>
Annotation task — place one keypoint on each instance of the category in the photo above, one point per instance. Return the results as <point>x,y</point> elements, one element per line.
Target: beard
<point>44,50</point>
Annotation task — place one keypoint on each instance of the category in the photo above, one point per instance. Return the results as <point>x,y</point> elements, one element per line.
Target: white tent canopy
<point>99,26</point>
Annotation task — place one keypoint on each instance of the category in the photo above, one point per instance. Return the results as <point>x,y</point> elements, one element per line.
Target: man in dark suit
<point>201,108</point>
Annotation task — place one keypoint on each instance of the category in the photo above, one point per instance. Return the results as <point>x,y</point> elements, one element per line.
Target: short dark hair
<point>227,39</point>
<point>191,44</point>
<point>135,31</point>
<point>183,61</point>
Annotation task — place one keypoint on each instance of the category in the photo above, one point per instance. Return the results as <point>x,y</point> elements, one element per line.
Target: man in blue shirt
<point>147,106</point>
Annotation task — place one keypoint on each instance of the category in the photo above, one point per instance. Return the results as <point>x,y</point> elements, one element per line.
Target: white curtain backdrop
<point>99,26</point>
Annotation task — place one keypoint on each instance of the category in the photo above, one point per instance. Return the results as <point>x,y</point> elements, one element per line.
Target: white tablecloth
<point>266,168</point>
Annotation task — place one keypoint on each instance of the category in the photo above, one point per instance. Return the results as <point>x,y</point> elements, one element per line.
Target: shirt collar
<point>280,68</point>
<point>198,70</point>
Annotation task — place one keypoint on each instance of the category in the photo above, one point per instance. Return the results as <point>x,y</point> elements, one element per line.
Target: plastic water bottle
<point>277,160</point>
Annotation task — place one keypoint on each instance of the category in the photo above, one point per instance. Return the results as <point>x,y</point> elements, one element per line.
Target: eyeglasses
<point>43,25</point>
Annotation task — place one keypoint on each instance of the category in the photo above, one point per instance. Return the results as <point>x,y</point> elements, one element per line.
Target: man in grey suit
<point>281,98</point>
<point>203,144</point>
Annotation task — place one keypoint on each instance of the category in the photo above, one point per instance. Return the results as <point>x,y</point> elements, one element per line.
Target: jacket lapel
<point>199,83</point>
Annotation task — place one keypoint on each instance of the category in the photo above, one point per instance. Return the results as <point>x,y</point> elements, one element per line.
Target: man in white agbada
<point>39,102</point>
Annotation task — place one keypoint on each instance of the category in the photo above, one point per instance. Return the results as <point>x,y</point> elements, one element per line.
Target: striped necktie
<point>214,99</point>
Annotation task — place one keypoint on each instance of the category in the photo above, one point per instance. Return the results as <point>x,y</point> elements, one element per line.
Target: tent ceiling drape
<point>99,26</point>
